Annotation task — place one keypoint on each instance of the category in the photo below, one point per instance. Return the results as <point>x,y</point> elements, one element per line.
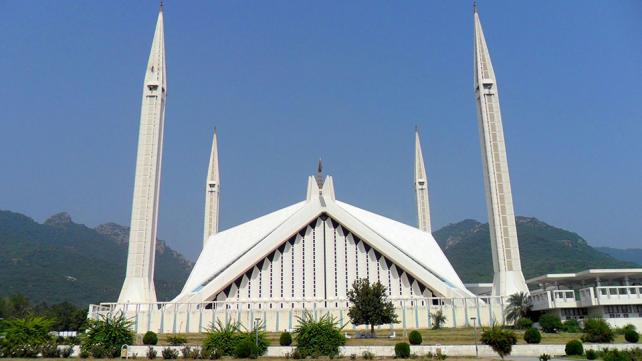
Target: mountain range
<point>60,260</point>
<point>543,249</point>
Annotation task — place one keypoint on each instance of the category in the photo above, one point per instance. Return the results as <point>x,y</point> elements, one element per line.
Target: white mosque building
<point>304,257</point>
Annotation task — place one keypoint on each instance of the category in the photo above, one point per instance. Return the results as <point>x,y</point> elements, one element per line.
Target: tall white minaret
<point>508,277</point>
<point>139,280</point>
<point>421,188</point>
<point>212,193</point>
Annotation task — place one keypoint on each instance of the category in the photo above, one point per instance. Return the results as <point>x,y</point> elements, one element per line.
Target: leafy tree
<point>499,339</point>
<point>315,338</point>
<point>519,304</point>
<point>109,332</point>
<point>370,305</point>
<point>438,319</point>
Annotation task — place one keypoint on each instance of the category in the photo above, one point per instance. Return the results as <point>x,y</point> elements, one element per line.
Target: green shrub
<point>402,350</point>
<point>574,347</point>
<point>246,349</point>
<point>544,357</point>
<point>571,326</point>
<point>322,337</point>
<point>499,339</point>
<point>532,335</point>
<point>631,336</point>
<point>176,340</point>
<point>98,351</point>
<point>50,350</point>
<point>24,337</point>
<point>622,330</point>
<point>169,353</point>
<point>550,323</point>
<point>212,355</point>
<point>617,355</point>
<point>415,338</point>
<point>108,333</point>
<point>285,339</point>
<point>524,323</point>
<point>598,331</point>
<point>84,353</point>
<point>222,337</point>
<point>591,354</point>
<point>151,353</point>
<point>150,338</point>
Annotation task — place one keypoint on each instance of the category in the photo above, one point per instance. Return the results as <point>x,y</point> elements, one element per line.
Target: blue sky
<point>288,82</point>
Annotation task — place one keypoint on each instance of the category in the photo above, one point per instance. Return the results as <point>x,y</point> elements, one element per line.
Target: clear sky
<point>288,82</point>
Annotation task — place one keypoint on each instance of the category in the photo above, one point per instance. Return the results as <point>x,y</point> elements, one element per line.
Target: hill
<point>60,260</point>
<point>543,249</point>
<point>629,254</point>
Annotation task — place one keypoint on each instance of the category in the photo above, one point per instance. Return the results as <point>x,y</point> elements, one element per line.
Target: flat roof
<point>587,274</point>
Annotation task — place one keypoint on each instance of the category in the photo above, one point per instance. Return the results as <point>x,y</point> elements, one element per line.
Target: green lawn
<point>446,336</point>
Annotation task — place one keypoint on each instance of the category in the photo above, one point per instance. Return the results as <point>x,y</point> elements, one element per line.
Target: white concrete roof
<point>230,253</point>
<point>587,274</point>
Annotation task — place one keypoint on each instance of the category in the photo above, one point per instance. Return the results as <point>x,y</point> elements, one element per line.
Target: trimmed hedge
<point>285,339</point>
<point>532,336</point>
<point>574,348</point>
<point>150,338</point>
<point>415,338</point>
<point>402,350</point>
<point>631,336</point>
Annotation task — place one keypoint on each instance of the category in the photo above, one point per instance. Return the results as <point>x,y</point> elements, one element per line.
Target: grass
<point>445,336</point>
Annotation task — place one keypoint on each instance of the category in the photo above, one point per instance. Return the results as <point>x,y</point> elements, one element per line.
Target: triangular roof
<point>233,252</point>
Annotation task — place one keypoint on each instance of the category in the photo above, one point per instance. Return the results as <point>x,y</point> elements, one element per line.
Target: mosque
<point>305,256</point>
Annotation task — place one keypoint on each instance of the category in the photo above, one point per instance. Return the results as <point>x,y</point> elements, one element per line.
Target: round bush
<point>631,336</point>
<point>246,349</point>
<point>402,350</point>
<point>524,323</point>
<point>415,338</point>
<point>285,339</point>
<point>574,347</point>
<point>150,338</point>
<point>532,335</point>
<point>550,323</point>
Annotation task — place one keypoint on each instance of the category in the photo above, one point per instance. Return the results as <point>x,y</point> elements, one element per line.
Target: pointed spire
<point>508,278</point>
<point>319,175</point>
<point>421,188</point>
<point>212,192</point>
<point>139,280</point>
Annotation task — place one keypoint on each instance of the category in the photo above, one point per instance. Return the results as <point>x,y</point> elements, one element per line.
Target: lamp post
<point>474,319</point>
<point>256,330</point>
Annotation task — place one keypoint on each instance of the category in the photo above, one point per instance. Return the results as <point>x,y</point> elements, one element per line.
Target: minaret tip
<point>416,129</point>
<point>474,6</point>
<point>161,6</point>
<point>319,175</point>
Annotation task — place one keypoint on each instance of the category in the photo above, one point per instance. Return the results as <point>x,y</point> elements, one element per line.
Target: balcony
<point>544,300</point>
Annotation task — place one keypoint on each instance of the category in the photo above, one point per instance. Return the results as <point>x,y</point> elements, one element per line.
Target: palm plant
<point>438,319</point>
<point>519,304</point>
<point>109,332</point>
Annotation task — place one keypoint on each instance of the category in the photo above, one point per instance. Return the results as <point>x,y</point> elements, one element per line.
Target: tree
<point>519,304</point>
<point>370,305</point>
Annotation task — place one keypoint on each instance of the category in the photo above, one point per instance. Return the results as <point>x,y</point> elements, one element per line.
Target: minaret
<point>139,280</point>
<point>508,277</point>
<point>212,193</point>
<point>421,188</point>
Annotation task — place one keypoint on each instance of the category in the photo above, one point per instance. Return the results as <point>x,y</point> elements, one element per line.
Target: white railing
<point>280,314</point>
<point>619,294</point>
